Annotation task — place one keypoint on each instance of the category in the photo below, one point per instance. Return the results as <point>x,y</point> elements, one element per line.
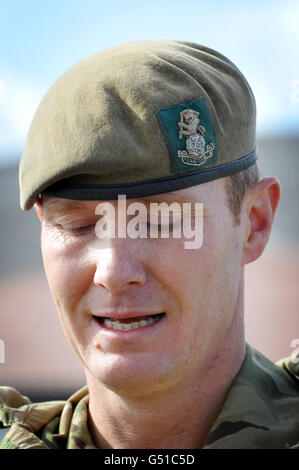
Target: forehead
<point>210,193</point>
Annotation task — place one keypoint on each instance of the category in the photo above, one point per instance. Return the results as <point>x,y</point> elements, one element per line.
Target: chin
<point>129,374</point>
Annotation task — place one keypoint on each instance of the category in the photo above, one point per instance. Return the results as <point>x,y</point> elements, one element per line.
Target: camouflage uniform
<point>261,411</point>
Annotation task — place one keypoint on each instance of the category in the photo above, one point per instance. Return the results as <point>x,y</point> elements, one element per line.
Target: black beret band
<point>95,192</point>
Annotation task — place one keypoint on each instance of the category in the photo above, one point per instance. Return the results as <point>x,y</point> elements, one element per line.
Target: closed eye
<point>80,230</point>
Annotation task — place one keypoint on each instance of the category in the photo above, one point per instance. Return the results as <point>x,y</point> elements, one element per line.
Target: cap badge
<point>197,151</point>
<point>190,135</point>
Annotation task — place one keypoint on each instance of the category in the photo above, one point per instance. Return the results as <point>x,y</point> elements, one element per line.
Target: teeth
<point>117,325</point>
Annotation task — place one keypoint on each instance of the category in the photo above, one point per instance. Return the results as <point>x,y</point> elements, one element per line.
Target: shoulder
<point>291,366</point>
<point>274,398</point>
<point>261,410</point>
<point>13,405</point>
<point>12,408</point>
<point>21,420</point>
<point>11,397</point>
<point>275,380</point>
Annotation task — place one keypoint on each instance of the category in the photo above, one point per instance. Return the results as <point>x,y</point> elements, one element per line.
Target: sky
<point>41,39</point>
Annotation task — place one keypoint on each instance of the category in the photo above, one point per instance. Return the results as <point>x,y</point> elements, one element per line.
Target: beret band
<point>66,190</point>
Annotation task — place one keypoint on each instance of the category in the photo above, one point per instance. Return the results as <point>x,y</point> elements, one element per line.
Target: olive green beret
<point>138,119</point>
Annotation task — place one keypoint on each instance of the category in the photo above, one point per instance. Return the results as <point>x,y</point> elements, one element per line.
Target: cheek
<point>225,274</point>
<point>209,276</point>
<point>223,254</point>
<point>67,270</point>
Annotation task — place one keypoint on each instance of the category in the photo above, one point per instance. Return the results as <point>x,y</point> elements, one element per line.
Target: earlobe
<point>38,206</point>
<point>260,208</point>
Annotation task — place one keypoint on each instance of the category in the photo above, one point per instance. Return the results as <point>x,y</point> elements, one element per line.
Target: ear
<point>260,207</point>
<point>38,206</point>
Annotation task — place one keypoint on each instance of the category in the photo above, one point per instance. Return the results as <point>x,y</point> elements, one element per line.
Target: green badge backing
<point>170,119</point>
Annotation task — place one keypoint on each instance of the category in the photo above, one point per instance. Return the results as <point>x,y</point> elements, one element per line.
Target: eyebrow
<point>65,205</point>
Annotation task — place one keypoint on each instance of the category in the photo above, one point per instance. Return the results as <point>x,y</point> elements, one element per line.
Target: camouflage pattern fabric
<point>261,411</point>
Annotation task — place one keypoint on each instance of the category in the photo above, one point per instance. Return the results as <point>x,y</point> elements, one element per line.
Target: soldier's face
<point>192,295</point>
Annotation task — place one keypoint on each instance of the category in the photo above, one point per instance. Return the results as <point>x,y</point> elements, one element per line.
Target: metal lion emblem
<point>197,151</point>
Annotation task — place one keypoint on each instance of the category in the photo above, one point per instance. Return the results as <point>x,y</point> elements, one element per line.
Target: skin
<point>140,384</point>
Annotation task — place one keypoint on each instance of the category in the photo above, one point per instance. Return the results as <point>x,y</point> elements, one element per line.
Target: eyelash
<point>78,230</point>
<point>84,229</point>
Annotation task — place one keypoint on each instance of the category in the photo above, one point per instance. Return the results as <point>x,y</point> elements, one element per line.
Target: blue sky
<point>40,39</point>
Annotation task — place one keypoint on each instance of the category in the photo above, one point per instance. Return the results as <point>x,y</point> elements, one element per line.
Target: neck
<point>180,417</point>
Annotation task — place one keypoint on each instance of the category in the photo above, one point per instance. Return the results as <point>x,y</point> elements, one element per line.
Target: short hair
<point>237,186</point>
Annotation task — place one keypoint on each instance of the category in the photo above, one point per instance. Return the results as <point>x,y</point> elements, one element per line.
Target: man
<point>157,324</point>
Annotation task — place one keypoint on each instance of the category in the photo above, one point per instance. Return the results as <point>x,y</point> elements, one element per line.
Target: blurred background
<point>38,42</point>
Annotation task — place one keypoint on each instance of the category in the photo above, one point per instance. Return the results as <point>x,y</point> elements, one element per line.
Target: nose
<point>118,267</point>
